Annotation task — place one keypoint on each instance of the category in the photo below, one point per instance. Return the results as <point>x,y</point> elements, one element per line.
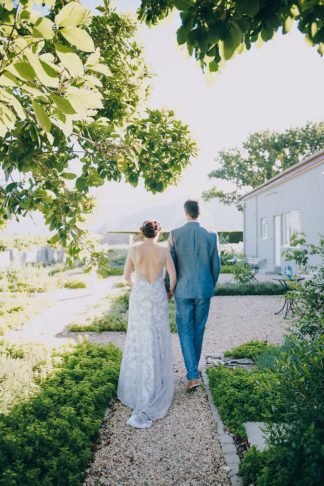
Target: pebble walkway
<point>182,448</point>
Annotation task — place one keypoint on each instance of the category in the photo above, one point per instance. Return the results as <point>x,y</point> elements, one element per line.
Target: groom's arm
<point>215,262</point>
<point>172,251</point>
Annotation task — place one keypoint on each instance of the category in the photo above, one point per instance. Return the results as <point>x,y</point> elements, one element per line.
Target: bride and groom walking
<point>192,263</point>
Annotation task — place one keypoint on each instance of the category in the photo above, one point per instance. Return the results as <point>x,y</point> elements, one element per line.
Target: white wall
<point>304,193</point>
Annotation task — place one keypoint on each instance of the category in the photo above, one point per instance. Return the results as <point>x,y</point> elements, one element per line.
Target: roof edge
<point>295,168</point>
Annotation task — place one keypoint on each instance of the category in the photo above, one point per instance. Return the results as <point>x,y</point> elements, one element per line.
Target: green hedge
<point>230,236</point>
<point>240,396</point>
<point>248,350</point>
<point>48,439</point>
<point>262,288</point>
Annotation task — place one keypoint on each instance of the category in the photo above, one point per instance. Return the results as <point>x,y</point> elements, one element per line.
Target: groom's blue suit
<point>195,254</point>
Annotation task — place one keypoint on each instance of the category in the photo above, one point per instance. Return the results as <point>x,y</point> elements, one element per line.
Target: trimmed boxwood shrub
<point>249,350</point>
<point>240,395</point>
<point>48,439</point>
<point>262,288</point>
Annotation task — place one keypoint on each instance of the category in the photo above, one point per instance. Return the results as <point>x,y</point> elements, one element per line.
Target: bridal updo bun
<point>150,228</point>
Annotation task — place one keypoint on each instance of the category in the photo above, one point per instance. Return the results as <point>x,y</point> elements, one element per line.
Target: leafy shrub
<point>240,395</point>
<point>225,257</point>
<point>242,272</point>
<point>252,465</point>
<point>271,355</point>
<point>308,310</point>
<point>47,440</point>
<point>248,350</point>
<point>296,454</point>
<point>261,288</point>
<point>22,368</point>
<point>227,269</point>
<point>113,316</point>
<point>75,284</point>
<point>23,242</point>
<point>18,309</point>
<point>105,272</point>
<point>27,278</point>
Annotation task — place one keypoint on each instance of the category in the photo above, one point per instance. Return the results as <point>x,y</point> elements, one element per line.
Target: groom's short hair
<point>191,206</point>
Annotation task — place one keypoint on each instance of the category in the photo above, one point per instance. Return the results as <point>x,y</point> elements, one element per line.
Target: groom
<point>195,254</point>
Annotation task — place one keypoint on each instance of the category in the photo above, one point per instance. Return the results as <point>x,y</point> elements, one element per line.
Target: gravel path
<point>181,449</point>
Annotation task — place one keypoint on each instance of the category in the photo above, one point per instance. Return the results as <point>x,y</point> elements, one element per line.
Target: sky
<point>277,86</point>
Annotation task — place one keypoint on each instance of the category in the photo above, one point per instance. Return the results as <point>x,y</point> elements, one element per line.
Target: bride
<point>146,379</point>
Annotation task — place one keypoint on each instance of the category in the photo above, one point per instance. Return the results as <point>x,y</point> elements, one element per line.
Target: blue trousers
<point>191,318</point>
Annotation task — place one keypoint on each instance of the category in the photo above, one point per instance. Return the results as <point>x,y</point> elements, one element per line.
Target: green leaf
<point>18,108</point>
<point>216,31</point>
<point>8,4</point>
<point>79,38</point>
<point>231,41</point>
<point>24,203</point>
<point>63,105</point>
<point>68,175</point>
<point>101,68</point>
<point>182,35</point>
<point>81,183</point>
<point>43,28</point>
<point>182,4</point>
<point>248,7</point>
<point>8,79</point>
<point>64,122</point>
<point>54,239</point>
<point>45,73</point>
<point>93,58</point>
<point>288,25</point>
<point>41,116</point>
<point>213,66</point>
<point>69,59</point>
<point>70,15</point>
<point>82,99</point>
<point>23,70</point>
<point>92,80</point>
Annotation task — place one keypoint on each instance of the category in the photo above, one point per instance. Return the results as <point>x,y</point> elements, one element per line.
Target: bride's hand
<point>169,295</point>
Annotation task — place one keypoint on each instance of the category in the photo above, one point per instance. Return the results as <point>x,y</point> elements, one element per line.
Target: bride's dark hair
<point>150,228</point>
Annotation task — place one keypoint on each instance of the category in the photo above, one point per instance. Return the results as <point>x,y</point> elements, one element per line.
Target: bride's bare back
<point>149,261</point>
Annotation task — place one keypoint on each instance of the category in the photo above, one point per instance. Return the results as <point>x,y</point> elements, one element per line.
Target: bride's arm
<point>128,270</point>
<point>169,263</point>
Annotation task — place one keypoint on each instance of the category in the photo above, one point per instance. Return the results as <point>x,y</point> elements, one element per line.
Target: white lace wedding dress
<point>146,380</point>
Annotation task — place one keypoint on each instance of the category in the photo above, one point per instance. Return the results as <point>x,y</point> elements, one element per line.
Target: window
<point>264,228</point>
<point>291,224</point>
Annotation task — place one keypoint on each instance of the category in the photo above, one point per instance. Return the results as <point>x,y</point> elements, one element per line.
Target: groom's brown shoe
<point>192,384</point>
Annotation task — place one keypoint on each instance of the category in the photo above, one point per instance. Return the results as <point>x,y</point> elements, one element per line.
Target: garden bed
<point>49,438</point>
<point>261,288</point>
<point>111,314</point>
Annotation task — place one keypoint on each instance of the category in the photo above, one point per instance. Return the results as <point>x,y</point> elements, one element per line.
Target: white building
<point>290,202</point>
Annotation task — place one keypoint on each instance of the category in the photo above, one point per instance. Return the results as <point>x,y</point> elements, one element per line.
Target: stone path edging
<point>229,450</point>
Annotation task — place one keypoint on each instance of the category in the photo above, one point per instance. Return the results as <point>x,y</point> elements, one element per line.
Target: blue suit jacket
<point>195,254</point>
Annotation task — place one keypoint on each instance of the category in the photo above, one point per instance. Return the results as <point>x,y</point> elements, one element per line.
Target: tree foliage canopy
<point>262,156</point>
<point>214,30</point>
<point>72,87</point>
